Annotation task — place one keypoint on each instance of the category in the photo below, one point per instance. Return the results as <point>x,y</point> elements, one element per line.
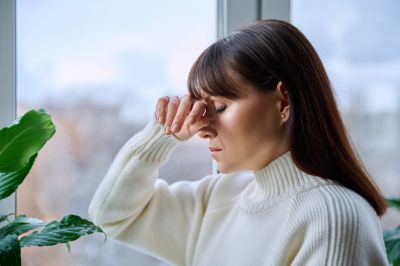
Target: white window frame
<point>230,14</point>
<point>233,13</point>
<point>7,79</point>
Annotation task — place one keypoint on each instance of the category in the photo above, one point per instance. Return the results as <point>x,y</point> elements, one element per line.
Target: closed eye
<point>220,109</point>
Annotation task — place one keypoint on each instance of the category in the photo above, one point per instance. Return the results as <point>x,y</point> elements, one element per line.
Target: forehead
<point>208,98</point>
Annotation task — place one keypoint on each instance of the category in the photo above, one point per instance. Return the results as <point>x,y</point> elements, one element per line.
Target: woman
<point>263,100</point>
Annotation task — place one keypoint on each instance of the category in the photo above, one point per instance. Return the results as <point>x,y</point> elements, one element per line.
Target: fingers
<point>175,113</point>
<point>161,109</point>
<point>172,108</point>
<point>200,123</point>
<point>184,108</point>
<point>197,112</point>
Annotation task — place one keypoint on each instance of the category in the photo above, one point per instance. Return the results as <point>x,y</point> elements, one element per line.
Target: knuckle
<point>178,119</point>
<point>176,123</point>
<point>187,102</point>
<point>160,109</point>
<point>173,103</point>
<point>199,108</point>
<point>186,97</point>
<point>175,99</point>
<point>169,114</point>
<point>163,99</point>
<point>170,117</point>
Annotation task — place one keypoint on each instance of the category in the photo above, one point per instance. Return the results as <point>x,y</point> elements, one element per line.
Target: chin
<point>227,169</point>
<point>222,169</point>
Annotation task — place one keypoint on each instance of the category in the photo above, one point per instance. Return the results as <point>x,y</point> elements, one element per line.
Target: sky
<point>127,52</point>
<point>132,52</point>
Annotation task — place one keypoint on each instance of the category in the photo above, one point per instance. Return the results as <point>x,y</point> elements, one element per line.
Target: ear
<point>283,101</point>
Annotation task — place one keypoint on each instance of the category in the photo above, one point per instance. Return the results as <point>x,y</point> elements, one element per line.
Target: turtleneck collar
<point>279,179</point>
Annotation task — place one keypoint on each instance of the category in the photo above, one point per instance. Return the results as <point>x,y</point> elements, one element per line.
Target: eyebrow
<point>208,98</point>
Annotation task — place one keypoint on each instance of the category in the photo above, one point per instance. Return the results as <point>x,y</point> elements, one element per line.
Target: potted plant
<point>20,143</point>
<point>392,237</point>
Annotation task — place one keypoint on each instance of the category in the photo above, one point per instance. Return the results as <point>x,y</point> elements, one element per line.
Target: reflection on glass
<point>98,68</point>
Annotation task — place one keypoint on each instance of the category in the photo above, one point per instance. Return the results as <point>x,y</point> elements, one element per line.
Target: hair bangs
<point>211,74</point>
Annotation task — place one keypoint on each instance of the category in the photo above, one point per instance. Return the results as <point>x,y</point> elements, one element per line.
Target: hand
<point>171,111</point>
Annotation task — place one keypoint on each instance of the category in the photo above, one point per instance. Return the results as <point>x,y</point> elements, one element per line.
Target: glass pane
<point>98,67</point>
<point>358,42</point>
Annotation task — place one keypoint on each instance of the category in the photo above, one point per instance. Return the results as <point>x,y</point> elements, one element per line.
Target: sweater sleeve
<point>339,228</point>
<point>133,206</point>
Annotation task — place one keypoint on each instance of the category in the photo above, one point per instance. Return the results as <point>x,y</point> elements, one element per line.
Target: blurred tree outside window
<point>98,68</point>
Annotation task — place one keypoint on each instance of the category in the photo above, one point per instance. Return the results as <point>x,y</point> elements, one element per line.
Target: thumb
<point>200,123</point>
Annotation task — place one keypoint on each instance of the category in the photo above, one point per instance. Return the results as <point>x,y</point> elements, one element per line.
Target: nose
<point>207,132</point>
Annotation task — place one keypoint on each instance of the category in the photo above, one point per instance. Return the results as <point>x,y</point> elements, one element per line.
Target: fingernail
<point>160,118</point>
<point>166,129</point>
<point>175,128</point>
<point>190,120</point>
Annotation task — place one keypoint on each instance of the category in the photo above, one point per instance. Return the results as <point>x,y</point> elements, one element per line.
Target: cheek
<point>241,129</point>
<point>258,128</point>
<point>235,118</point>
<point>248,126</point>
<point>270,124</point>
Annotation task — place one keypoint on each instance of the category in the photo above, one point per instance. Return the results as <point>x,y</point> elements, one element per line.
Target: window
<point>98,68</point>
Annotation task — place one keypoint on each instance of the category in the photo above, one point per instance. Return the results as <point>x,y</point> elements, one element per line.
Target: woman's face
<point>249,131</point>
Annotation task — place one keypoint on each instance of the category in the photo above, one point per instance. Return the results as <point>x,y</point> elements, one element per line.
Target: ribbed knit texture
<point>278,215</point>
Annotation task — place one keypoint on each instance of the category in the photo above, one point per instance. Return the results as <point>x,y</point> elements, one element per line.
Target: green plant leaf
<point>392,244</point>
<point>68,247</point>
<point>393,202</point>
<point>23,138</point>
<point>69,228</point>
<point>392,234</point>
<point>10,251</point>
<point>4,217</point>
<point>21,224</point>
<point>9,182</point>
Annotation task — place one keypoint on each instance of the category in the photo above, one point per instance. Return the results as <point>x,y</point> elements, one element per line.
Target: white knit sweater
<point>278,215</point>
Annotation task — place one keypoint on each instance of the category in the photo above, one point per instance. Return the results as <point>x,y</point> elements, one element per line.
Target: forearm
<point>128,184</point>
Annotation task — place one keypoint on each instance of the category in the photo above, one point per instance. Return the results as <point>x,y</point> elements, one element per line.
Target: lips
<point>214,149</point>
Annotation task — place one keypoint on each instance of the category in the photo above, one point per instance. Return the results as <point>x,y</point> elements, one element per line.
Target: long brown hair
<point>265,52</point>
